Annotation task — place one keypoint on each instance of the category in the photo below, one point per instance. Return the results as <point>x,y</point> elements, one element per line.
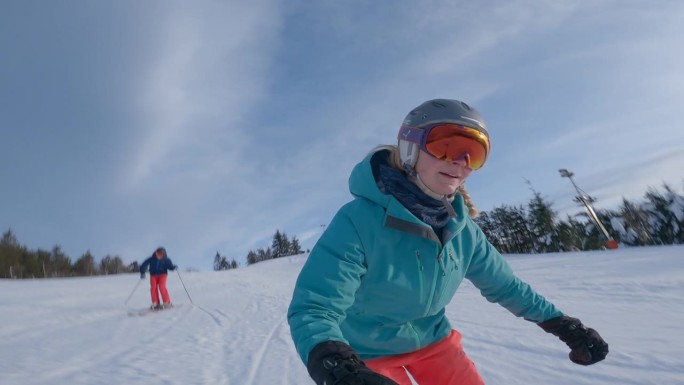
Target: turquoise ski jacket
<point>379,278</point>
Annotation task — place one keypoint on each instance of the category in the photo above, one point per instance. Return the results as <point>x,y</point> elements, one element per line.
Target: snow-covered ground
<point>78,331</point>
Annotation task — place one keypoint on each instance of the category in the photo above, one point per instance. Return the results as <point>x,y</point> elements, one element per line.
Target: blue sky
<point>205,126</point>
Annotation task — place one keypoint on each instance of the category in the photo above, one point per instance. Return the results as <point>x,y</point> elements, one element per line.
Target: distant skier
<point>159,264</point>
<point>369,303</point>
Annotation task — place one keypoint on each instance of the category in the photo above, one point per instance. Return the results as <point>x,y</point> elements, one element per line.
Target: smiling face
<point>442,177</point>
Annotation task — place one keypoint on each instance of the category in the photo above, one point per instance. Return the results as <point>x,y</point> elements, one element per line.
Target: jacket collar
<point>363,184</point>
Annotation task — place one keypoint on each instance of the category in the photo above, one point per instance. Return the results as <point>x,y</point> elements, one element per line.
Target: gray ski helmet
<point>437,111</point>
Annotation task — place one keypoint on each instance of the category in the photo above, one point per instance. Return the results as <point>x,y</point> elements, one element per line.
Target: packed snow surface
<point>230,327</point>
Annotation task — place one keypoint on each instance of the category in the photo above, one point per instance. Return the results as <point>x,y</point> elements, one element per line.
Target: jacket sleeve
<point>144,265</point>
<point>169,264</point>
<point>492,275</point>
<point>326,286</point>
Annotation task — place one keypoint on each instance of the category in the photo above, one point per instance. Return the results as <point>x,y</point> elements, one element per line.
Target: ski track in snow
<point>235,332</point>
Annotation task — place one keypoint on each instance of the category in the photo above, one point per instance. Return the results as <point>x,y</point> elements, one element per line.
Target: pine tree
<point>133,267</point>
<point>490,230</point>
<point>264,254</point>
<point>10,256</point>
<point>570,235</point>
<point>635,225</point>
<point>118,265</point>
<point>224,264</point>
<point>111,265</point>
<point>38,264</point>
<point>217,262</point>
<point>542,225</point>
<point>664,224</point>
<point>280,245</point>
<point>252,257</point>
<point>511,227</point>
<point>59,263</point>
<point>295,248</point>
<point>85,265</point>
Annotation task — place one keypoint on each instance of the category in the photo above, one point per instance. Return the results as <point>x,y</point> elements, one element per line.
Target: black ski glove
<point>335,363</point>
<point>586,345</point>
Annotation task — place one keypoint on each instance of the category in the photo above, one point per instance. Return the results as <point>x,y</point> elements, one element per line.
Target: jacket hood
<point>363,179</point>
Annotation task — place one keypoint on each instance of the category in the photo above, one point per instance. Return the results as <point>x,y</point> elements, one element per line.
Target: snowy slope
<point>78,331</point>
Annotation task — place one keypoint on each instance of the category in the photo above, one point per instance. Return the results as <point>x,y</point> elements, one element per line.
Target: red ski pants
<point>442,363</point>
<point>158,285</point>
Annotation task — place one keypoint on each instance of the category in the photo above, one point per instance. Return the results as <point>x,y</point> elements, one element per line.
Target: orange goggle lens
<point>452,142</point>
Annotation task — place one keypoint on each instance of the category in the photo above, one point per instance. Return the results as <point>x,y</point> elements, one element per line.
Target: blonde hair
<point>395,161</point>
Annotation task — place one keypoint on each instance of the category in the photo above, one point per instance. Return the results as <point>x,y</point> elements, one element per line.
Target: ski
<point>147,311</point>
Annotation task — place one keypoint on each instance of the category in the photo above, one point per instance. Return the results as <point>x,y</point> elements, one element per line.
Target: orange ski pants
<point>158,285</point>
<point>442,363</point>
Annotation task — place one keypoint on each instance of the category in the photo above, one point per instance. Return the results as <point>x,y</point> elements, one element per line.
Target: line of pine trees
<point>533,228</point>
<point>222,263</point>
<point>536,228</point>
<point>281,246</point>
<point>18,261</point>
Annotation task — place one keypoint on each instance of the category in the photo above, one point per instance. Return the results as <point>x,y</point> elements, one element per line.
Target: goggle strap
<point>411,134</point>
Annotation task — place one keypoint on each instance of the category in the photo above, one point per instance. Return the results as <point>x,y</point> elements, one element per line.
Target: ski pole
<point>186,289</point>
<point>130,295</point>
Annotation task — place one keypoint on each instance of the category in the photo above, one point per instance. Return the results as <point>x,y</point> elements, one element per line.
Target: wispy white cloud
<point>200,87</point>
<point>190,163</point>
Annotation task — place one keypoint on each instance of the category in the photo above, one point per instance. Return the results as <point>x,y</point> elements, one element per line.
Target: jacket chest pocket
<point>399,286</point>
<point>450,278</point>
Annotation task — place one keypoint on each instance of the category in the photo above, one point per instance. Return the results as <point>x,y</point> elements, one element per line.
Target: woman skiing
<point>159,264</point>
<point>369,303</point>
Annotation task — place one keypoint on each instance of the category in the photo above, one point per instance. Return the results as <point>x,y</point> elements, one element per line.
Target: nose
<point>462,160</point>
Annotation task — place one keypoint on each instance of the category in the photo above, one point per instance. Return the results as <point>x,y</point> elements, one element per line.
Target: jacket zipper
<point>454,267</point>
<point>433,286</point>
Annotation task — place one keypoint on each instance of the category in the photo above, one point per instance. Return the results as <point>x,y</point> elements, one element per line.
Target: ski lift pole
<point>134,289</point>
<point>585,200</point>
<point>593,216</point>
<point>182,283</point>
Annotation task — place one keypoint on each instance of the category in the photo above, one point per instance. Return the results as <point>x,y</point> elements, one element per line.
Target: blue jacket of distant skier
<point>157,266</point>
<point>379,278</point>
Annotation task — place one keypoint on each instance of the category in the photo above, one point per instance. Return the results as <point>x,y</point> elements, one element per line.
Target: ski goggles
<point>450,142</point>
